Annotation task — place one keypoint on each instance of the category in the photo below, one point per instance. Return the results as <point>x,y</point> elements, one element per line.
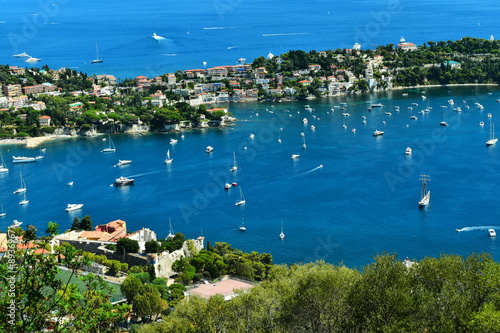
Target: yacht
<point>492,232</point>
<point>443,123</point>
<point>3,167</point>
<point>492,139</point>
<point>23,185</point>
<point>408,151</point>
<point>23,159</point>
<point>71,207</point>
<point>32,60</point>
<point>241,200</point>
<point>168,160</point>
<point>123,162</point>
<point>376,105</point>
<point>377,133</point>
<point>209,149</point>
<point>111,148</point>
<point>425,197</point>
<point>96,60</point>
<point>21,55</point>
<point>15,224</point>
<point>123,181</point>
<point>157,37</point>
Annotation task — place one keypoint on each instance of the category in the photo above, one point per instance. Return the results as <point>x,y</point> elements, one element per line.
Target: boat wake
<point>483,227</point>
<point>232,47</point>
<point>219,28</point>
<point>169,54</point>
<point>312,170</point>
<point>287,34</point>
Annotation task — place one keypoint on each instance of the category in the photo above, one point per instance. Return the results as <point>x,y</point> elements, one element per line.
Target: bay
<point>362,201</point>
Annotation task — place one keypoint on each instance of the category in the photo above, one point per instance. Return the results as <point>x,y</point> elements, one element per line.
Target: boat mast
<point>424,179</point>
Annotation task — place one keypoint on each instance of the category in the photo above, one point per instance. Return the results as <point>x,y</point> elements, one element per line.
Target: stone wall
<point>164,261</point>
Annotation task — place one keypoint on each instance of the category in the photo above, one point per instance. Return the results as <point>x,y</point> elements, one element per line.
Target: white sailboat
<point>23,185</point>
<point>282,235</point>
<point>171,231</point>
<point>492,139</point>
<point>241,200</point>
<point>3,213</point>
<point>3,167</point>
<point>168,160</point>
<point>24,201</point>
<point>111,147</point>
<point>96,60</point>
<point>304,144</point>
<point>242,226</point>
<point>235,167</point>
<point>425,196</point>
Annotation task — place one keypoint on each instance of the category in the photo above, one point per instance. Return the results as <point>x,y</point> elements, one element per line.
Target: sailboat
<point>235,167</point>
<point>425,197</point>
<point>171,231</point>
<point>492,139</point>
<point>282,235</point>
<point>96,60</point>
<point>111,147</point>
<point>70,183</point>
<point>241,200</point>
<point>3,167</point>
<point>242,226</point>
<point>24,201</point>
<point>168,160</point>
<point>2,214</point>
<point>304,144</point>
<point>23,185</point>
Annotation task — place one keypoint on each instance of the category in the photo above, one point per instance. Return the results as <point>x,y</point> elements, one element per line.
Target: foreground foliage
<point>446,294</point>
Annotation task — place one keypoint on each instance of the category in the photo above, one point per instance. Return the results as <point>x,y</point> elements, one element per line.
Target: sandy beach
<point>32,142</point>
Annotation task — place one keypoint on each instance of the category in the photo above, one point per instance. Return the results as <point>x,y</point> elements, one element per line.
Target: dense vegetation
<point>446,294</point>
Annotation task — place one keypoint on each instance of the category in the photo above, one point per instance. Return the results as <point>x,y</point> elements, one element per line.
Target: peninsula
<point>40,102</point>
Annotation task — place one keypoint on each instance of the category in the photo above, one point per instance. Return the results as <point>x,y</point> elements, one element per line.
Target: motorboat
<point>23,159</point>
<point>294,156</point>
<point>15,224</point>
<point>492,232</point>
<point>443,123</point>
<point>413,117</point>
<point>173,141</point>
<point>425,196</point>
<point>71,207</point>
<point>251,136</point>
<point>123,162</point>
<point>32,60</point>
<point>157,37</point>
<point>227,186</point>
<point>123,181</point>
<point>408,151</point>
<point>377,133</point>
<point>21,55</point>
<point>241,60</point>
<point>376,105</point>
<point>481,123</point>
<point>209,149</point>
<point>304,120</point>
<point>388,114</point>
<point>313,127</point>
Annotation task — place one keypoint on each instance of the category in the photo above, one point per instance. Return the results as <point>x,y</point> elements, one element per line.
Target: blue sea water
<point>63,33</point>
<point>361,202</point>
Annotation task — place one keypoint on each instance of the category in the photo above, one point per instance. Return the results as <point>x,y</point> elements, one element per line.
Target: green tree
<point>152,246</point>
<point>86,223</point>
<point>52,228</point>
<point>127,245</point>
<point>130,287</point>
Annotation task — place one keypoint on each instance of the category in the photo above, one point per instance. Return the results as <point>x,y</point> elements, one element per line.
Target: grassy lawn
<point>115,296</point>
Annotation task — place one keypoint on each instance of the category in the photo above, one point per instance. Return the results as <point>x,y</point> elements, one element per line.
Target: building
<point>406,46</point>
<point>226,288</point>
<point>109,232</point>
<point>452,64</point>
<point>44,121</point>
<point>40,88</point>
<point>12,90</point>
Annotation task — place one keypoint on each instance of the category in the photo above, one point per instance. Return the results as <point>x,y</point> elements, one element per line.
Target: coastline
<point>33,142</point>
